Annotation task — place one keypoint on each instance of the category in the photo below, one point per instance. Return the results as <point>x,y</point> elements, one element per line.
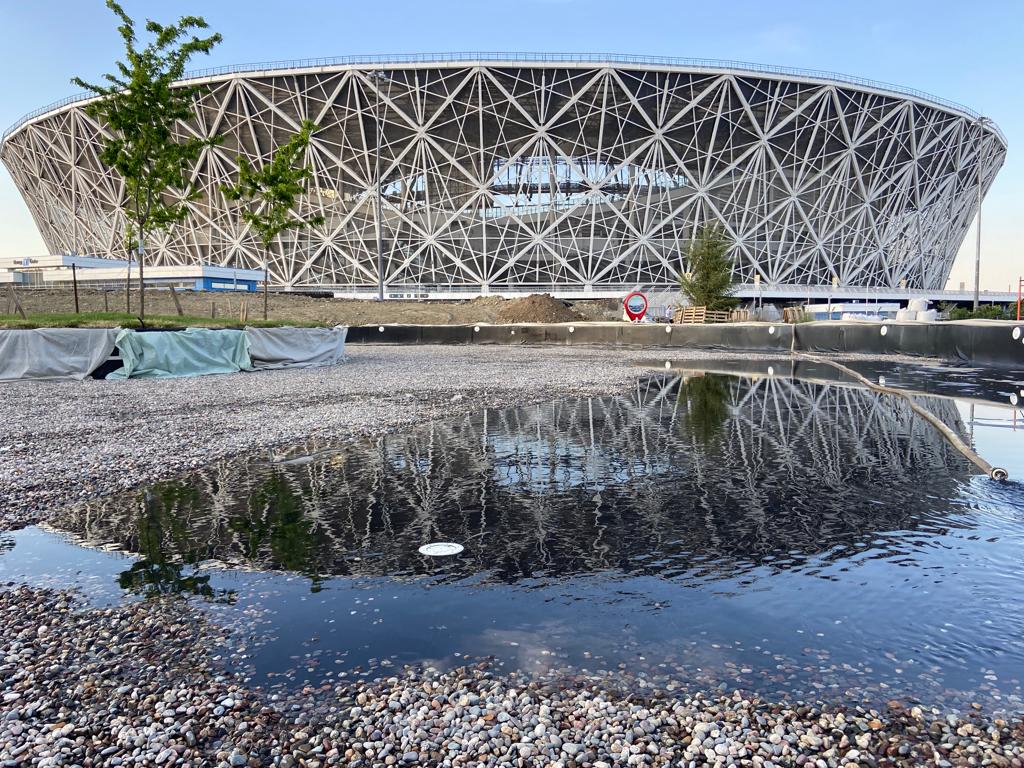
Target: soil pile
<point>600,310</point>
<point>537,308</point>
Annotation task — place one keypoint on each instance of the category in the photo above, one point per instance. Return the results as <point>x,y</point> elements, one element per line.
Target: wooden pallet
<point>690,315</point>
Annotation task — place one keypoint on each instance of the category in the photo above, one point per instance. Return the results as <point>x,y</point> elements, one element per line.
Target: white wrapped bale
<point>296,347</point>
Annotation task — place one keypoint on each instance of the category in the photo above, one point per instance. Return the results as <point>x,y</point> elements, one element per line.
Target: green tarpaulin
<point>192,352</point>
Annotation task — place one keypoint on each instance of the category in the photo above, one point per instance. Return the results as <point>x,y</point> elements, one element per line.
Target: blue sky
<point>968,52</point>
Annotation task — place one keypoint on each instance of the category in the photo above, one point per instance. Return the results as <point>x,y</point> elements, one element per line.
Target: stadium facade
<point>580,175</point>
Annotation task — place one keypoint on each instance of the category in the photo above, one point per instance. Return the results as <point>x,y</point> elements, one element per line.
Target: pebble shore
<point>147,683</point>
<point>138,684</point>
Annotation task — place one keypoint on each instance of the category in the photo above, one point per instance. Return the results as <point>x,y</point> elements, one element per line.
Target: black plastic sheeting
<point>972,342</point>
<point>987,343</point>
<point>749,336</point>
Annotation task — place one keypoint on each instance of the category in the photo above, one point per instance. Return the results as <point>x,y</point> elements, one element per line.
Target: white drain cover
<point>441,549</point>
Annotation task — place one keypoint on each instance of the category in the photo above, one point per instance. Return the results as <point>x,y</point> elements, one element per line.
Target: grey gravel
<point>135,684</point>
<point>64,442</point>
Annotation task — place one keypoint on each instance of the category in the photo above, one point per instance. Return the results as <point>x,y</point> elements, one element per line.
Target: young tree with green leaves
<point>709,281</point>
<point>269,195</point>
<point>141,107</point>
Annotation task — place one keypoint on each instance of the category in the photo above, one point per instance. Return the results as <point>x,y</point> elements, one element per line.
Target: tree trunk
<point>266,281</point>
<point>142,284</point>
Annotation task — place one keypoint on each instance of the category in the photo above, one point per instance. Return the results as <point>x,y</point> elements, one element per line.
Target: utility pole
<point>982,123</point>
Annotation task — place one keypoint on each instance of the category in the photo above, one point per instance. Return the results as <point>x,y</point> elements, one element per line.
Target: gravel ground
<point>64,442</point>
<point>138,684</point>
<point>145,682</point>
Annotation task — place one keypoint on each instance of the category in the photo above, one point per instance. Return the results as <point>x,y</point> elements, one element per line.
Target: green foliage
<point>140,107</point>
<point>984,312</point>
<point>709,282</point>
<point>270,193</point>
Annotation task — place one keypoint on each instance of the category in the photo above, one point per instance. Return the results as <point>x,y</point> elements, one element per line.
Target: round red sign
<point>635,306</point>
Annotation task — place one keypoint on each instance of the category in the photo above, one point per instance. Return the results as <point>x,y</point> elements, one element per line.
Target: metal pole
<point>74,282</point>
<point>266,281</point>
<point>977,250</point>
<point>380,234</point>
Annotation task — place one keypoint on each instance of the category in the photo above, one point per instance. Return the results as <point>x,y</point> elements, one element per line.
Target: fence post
<point>74,282</point>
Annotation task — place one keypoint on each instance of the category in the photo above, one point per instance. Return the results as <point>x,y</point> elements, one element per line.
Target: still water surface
<point>788,533</point>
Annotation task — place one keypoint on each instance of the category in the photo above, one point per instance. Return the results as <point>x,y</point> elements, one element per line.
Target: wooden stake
<point>17,304</point>
<point>243,311</point>
<point>177,303</point>
<point>106,304</point>
<point>213,309</point>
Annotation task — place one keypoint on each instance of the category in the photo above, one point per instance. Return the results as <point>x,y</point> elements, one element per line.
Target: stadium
<point>577,175</point>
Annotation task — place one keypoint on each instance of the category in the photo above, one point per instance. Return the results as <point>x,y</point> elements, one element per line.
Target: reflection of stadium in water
<point>692,478</point>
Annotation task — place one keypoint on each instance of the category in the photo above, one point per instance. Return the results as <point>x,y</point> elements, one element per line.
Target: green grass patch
<point>125,320</point>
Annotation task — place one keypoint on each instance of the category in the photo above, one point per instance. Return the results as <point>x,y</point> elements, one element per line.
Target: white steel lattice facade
<point>490,173</point>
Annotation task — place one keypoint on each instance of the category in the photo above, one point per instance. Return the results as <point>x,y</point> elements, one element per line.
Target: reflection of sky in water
<point>997,433</point>
<point>786,536</point>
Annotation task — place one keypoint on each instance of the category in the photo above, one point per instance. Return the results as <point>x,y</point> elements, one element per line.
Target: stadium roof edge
<point>575,59</point>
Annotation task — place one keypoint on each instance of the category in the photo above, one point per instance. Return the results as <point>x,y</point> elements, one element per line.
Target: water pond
<point>765,526</point>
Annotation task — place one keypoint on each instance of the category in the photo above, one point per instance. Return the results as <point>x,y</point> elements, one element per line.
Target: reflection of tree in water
<point>726,475</point>
<point>274,524</point>
<point>705,401</point>
<point>160,532</point>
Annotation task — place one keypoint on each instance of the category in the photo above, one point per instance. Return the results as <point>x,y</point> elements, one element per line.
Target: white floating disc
<point>441,549</point>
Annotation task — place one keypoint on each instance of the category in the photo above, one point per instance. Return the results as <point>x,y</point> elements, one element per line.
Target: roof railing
<point>552,58</point>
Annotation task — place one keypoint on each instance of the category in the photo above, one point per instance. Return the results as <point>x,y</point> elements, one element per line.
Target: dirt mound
<point>537,308</point>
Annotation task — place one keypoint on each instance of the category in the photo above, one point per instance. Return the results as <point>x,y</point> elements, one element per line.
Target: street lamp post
<point>377,182</point>
<point>982,123</point>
